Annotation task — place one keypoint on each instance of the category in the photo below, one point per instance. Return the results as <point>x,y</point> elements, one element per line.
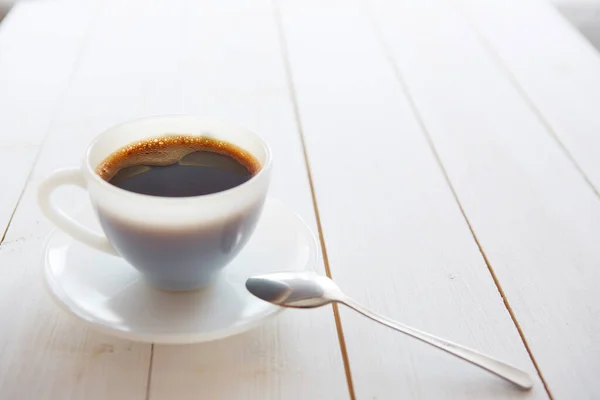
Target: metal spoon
<point>310,290</point>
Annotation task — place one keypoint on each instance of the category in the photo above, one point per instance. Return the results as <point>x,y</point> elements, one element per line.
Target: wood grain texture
<point>536,218</point>
<point>37,56</point>
<point>395,236</point>
<point>555,67</point>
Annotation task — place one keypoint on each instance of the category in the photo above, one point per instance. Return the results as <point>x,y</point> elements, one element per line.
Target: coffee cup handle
<point>71,176</point>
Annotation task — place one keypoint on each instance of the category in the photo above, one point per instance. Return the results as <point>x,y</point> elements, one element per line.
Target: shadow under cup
<point>180,243</point>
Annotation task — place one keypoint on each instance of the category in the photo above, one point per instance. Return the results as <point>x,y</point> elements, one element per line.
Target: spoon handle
<point>503,370</point>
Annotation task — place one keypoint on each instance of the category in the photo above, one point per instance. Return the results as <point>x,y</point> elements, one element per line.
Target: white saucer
<point>109,294</point>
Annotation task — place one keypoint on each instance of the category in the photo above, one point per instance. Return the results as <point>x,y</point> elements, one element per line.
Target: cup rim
<point>90,170</point>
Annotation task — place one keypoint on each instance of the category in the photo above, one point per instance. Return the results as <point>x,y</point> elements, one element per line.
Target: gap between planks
<point>149,379</point>
<point>293,98</point>
<point>398,74</point>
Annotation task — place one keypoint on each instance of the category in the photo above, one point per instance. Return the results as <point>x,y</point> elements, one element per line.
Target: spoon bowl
<point>305,289</point>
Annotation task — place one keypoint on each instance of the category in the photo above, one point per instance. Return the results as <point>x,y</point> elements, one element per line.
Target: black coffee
<point>178,166</point>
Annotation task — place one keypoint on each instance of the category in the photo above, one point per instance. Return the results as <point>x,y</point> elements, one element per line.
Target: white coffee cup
<point>177,243</point>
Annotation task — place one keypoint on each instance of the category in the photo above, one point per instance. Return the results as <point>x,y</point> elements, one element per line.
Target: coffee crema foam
<point>170,149</point>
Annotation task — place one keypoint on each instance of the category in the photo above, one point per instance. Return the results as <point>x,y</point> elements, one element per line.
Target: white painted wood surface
<point>557,70</point>
<point>131,68</point>
<point>534,215</point>
<point>396,236</point>
<point>37,57</point>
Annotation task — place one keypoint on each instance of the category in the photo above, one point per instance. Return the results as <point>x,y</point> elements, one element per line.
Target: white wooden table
<point>447,152</point>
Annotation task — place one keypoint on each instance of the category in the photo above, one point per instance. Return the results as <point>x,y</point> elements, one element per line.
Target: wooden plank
<point>534,215</point>
<point>555,68</point>
<point>238,75</point>
<point>37,56</point>
<point>395,236</point>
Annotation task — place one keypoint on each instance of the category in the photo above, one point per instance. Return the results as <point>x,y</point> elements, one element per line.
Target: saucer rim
<point>166,338</point>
